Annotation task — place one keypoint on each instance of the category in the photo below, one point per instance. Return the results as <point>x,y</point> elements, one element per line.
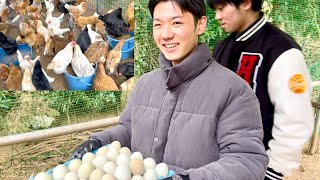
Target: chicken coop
<point>49,40</point>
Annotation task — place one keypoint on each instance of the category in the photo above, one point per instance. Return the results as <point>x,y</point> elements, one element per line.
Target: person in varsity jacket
<point>273,64</point>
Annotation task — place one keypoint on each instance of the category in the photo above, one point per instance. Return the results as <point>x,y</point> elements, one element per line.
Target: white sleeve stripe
<point>272,178</point>
<point>273,175</point>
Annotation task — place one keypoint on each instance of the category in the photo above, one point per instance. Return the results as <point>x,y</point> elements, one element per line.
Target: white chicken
<point>94,36</point>
<point>27,81</point>
<point>54,21</point>
<point>58,31</point>
<point>3,5</point>
<point>49,5</point>
<point>24,62</point>
<point>62,59</point>
<point>80,64</point>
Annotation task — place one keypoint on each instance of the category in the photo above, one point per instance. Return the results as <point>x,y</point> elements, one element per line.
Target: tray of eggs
<point>110,162</point>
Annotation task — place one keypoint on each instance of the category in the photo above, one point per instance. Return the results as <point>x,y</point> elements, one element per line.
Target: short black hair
<point>196,7</point>
<point>256,4</point>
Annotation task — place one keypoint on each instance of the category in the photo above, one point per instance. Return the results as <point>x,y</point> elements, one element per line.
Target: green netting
<point>299,18</point>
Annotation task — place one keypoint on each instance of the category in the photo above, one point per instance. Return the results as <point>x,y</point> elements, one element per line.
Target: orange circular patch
<point>297,84</point>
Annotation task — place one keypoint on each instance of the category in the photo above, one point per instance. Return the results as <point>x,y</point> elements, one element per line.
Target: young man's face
<point>231,19</point>
<point>175,32</point>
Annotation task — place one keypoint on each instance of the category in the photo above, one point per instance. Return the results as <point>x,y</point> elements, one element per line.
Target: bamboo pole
<point>58,131</point>
<point>314,138</point>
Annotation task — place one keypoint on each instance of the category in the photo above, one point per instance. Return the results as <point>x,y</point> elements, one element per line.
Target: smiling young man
<point>273,65</point>
<point>191,113</point>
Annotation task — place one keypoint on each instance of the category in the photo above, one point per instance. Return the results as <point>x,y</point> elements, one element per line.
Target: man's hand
<point>178,177</point>
<point>87,146</point>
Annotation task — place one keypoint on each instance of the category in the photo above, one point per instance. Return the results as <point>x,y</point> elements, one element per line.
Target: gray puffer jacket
<point>198,117</point>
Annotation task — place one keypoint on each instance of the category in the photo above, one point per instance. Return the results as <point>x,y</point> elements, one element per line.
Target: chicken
<point>100,28</point>
<point>102,81</point>
<point>24,62</point>
<point>24,28</point>
<point>78,10</point>
<point>39,80</point>
<point>30,38</point>
<point>57,31</point>
<point>21,8</point>
<point>114,23</point>
<point>82,21</point>
<point>130,15</point>
<point>41,29</point>
<point>27,81</point>
<point>96,50</point>
<point>127,85</point>
<point>35,6</point>
<point>61,8</point>
<point>114,56</point>
<point>80,63</point>
<point>49,5</point>
<point>3,27</point>
<point>4,71</point>
<point>84,40</point>
<point>14,79</point>
<point>40,42</point>
<point>126,69</point>
<point>62,59</point>
<point>94,36</point>
<point>79,2</point>
<point>54,21</point>
<point>9,45</point>
<point>4,15</point>
<point>48,49</point>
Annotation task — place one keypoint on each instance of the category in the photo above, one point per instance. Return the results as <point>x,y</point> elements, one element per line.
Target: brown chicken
<point>79,2</point>
<point>82,21</point>
<point>103,82</point>
<point>14,79</point>
<point>114,56</point>
<point>130,15</point>
<point>48,48</point>
<point>4,16</point>
<point>127,85</point>
<point>77,10</point>
<point>40,42</point>
<point>3,27</point>
<point>21,8</point>
<point>30,38</point>
<point>96,50</point>
<point>100,28</point>
<point>35,7</point>
<point>4,71</point>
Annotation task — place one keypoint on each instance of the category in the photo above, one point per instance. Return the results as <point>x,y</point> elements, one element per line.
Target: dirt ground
<point>60,82</point>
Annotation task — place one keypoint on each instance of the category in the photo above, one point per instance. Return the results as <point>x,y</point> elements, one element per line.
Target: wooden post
<point>314,138</point>
<point>58,131</point>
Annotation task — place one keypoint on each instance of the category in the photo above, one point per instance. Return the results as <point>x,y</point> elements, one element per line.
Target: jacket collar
<point>251,30</point>
<point>189,68</point>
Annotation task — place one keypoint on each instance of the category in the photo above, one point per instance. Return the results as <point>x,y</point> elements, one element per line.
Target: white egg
<point>110,167</point>
<point>149,163</point>
<point>116,145</point>
<point>74,165</point>
<point>125,150</point>
<point>88,157</point>
<point>150,174</point>
<point>85,170</point>
<point>137,177</point>
<point>108,177</point>
<point>99,161</point>
<point>112,154</point>
<point>71,176</point>
<point>102,151</point>
<point>162,170</point>
<point>123,159</point>
<point>122,172</point>
<point>59,172</point>
<point>136,155</point>
<point>96,174</point>
<point>43,176</point>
